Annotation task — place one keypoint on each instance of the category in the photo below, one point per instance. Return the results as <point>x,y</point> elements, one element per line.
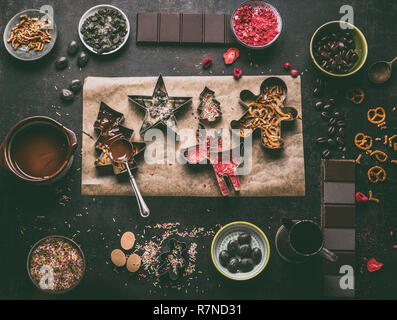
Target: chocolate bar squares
<point>183,28</point>
<point>338,222</point>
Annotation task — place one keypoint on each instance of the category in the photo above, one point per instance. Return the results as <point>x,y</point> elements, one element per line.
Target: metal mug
<point>297,241</point>
<point>6,160</point>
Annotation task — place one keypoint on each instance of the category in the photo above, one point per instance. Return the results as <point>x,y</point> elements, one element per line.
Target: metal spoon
<point>380,71</point>
<point>121,152</point>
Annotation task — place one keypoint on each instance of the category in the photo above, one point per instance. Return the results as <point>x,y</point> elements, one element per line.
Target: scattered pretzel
<point>363,141</point>
<point>380,155</point>
<point>394,161</point>
<point>377,116</point>
<point>355,95</point>
<point>371,197</point>
<point>30,32</point>
<point>376,174</point>
<point>358,160</point>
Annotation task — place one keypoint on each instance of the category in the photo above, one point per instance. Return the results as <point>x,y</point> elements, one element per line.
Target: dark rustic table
<point>29,89</point>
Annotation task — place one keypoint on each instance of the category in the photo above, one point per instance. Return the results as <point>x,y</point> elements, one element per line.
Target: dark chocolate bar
<point>184,28</point>
<point>147,27</point>
<point>344,259</point>
<point>169,28</point>
<point>340,239</point>
<point>341,216</point>
<point>339,170</point>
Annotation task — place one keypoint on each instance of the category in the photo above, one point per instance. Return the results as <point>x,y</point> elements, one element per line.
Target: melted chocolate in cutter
<point>247,97</point>
<point>108,126</point>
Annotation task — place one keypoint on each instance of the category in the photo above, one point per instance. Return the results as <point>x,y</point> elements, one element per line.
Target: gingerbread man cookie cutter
<point>266,112</point>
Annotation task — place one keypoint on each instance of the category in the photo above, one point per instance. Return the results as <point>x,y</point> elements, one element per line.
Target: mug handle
<point>73,141</point>
<point>328,255</point>
<point>3,162</point>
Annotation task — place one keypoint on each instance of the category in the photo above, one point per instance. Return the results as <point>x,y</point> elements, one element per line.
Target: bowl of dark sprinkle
<point>104,29</point>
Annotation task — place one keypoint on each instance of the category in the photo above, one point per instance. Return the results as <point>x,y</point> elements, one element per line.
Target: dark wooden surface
<point>29,89</point>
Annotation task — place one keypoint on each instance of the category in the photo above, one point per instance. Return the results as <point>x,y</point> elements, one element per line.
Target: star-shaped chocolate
<point>209,150</point>
<point>108,125</point>
<point>266,112</point>
<point>159,108</point>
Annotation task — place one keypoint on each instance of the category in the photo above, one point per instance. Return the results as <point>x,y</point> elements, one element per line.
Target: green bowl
<point>359,40</point>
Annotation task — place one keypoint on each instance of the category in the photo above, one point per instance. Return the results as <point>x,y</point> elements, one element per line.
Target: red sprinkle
<point>294,73</point>
<point>361,197</point>
<point>255,26</point>
<point>287,66</point>
<point>373,265</point>
<point>231,55</point>
<point>207,62</point>
<point>237,73</point>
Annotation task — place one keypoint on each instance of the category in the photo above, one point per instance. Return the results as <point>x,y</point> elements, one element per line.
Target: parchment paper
<point>271,175</point>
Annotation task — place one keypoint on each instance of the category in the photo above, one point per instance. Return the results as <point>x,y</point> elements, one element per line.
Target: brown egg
<point>118,258</point>
<point>127,240</point>
<point>133,263</point>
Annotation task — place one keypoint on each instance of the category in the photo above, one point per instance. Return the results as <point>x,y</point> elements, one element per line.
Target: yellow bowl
<point>359,40</point>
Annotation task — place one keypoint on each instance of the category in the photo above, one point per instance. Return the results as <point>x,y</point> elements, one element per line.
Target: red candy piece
<point>255,26</point>
<point>373,265</point>
<point>287,66</point>
<point>231,55</point>
<point>294,73</point>
<point>207,62</point>
<point>361,197</point>
<point>237,73</point>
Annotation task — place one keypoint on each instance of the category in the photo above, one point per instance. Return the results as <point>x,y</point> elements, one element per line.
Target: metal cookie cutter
<point>160,109</point>
<point>266,112</point>
<point>209,151</point>
<point>108,125</point>
<point>209,108</point>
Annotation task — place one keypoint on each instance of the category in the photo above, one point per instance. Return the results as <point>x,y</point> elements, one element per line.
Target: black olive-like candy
<point>232,247</point>
<point>224,258</point>
<point>73,48</point>
<point>247,264</point>
<point>244,238</point>
<point>82,61</point>
<point>256,255</point>
<point>233,265</point>
<point>244,251</point>
<point>67,95</point>
<point>75,86</point>
<point>61,63</point>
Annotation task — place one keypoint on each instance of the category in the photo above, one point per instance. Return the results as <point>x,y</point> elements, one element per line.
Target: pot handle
<point>73,141</point>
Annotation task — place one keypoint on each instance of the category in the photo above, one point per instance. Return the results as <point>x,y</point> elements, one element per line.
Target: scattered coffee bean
<point>75,86</point>
<point>61,63</point>
<point>327,108</point>
<point>331,142</point>
<point>326,154</point>
<point>82,61</point>
<point>331,131</point>
<point>73,48</point>
<point>321,141</point>
<point>319,105</point>
<point>340,141</point>
<point>332,101</point>
<point>332,121</point>
<point>325,115</point>
<point>341,123</point>
<point>341,132</point>
<point>338,115</point>
<point>317,92</point>
<point>67,95</point>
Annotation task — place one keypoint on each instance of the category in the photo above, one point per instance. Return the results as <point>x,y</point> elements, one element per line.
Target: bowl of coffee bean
<point>338,49</point>
<point>104,29</point>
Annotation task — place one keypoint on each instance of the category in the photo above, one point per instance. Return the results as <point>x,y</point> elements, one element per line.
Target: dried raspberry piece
<point>207,62</point>
<point>237,73</point>
<point>287,66</point>
<point>294,73</point>
<point>373,265</point>
<point>231,55</point>
<point>361,197</point>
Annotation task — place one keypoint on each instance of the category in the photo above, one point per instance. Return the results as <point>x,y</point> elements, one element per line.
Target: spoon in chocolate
<point>380,71</point>
<point>121,152</point>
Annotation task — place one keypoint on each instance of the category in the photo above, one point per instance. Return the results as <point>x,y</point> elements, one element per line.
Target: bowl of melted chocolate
<point>39,150</point>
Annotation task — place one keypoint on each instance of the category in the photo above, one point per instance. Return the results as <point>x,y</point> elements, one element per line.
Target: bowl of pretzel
<point>30,35</point>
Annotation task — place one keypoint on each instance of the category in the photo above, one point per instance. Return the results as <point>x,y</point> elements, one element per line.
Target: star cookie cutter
<point>209,108</point>
<point>108,126</point>
<point>160,109</point>
<point>266,112</point>
<point>173,260</point>
<point>209,150</point>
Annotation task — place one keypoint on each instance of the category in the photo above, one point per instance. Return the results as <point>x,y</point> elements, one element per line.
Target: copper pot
<point>8,162</point>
